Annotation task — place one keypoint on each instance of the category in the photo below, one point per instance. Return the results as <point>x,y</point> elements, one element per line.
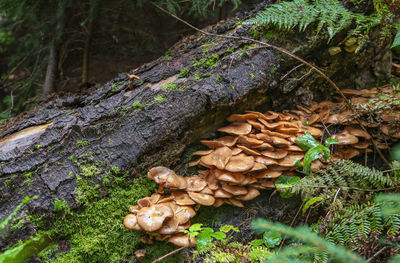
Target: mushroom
<point>202,199</point>
<point>345,138</point>
<point>357,132</point>
<point>195,183</point>
<point>184,213</point>
<point>182,198</point>
<point>222,194</point>
<point>169,226</point>
<point>266,160</point>
<point>247,150</point>
<point>182,240</point>
<point>240,163</point>
<point>278,154</point>
<point>242,117</point>
<point>160,174</point>
<point>221,142</point>
<point>237,128</point>
<point>218,158</point>
<point>227,176</point>
<point>201,153</point>
<point>290,160</point>
<point>131,222</point>
<point>235,190</point>
<point>151,218</point>
<point>235,202</point>
<point>252,193</point>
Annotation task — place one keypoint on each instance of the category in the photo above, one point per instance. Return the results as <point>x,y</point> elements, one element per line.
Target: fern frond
<point>329,14</point>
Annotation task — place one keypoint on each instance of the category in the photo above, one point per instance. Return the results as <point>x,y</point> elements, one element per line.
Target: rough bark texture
<point>155,122</point>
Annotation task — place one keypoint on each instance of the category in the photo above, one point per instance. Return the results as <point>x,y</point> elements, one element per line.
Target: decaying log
<point>179,99</point>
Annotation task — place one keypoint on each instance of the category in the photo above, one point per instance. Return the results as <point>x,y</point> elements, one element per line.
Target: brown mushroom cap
<point>240,163</point>
<point>218,158</point>
<point>195,183</point>
<point>169,226</point>
<point>235,190</point>
<point>160,174</point>
<point>221,142</point>
<point>268,174</point>
<point>182,198</point>
<point>253,193</point>
<point>134,209</point>
<point>290,160</point>
<point>201,153</point>
<point>237,128</point>
<point>175,182</point>
<point>248,150</point>
<point>202,199</point>
<point>131,222</point>
<point>345,138</point>
<point>184,213</point>
<point>219,202</point>
<point>357,132</point>
<point>266,160</point>
<point>222,194</point>
<point>228,176</point>
<point>258,167</point>
<point>242,117</point>
<point>278,154</point>
<point>246,140</point>
<point>234,202</point>
<point>236,151</point>
<point>255,124</point>
<point>151,218</point>
<point>182,240</point>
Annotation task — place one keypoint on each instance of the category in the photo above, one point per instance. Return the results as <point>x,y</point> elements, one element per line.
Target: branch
<point>290,54</point>
<point>169,254</point>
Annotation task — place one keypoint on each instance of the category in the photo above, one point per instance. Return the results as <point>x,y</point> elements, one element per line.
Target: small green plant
<point>37,146</point>
<point>314,150</point>
<point>211,61</point>
<point>215,246</point>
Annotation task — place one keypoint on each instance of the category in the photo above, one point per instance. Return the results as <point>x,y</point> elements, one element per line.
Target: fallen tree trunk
<point>179,99</point>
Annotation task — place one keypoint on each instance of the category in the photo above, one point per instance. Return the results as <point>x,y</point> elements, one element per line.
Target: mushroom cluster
<point>257,149</point>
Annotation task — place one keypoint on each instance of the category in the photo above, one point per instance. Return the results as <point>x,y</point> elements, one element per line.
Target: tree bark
<point>181,98</point>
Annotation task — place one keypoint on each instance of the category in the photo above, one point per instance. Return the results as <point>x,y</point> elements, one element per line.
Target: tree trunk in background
<point>179,99</point>
<point>52,64</point>
<point>86,51</point>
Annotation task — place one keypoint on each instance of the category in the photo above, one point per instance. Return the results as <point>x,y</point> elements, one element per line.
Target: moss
<point>169,86</point>
<point>158,99</point>
<point>136,105</point>
<point>184,73</point>
<point>37,146</point>
<point>82,143</point>
<point>197,77</point>
<point>211,61</point>
<point>218,78</point>
<point>96,234</point>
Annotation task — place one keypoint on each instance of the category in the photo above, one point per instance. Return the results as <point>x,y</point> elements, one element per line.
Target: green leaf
<point>396,41</point>
<point>227,228</point>
<point>311,202</point>
<point>257,242</point>
<point>195,227</point>
<point>203,239</point>
<point>284,185</point>
<point>330,141</point>
<point>219,235</point>
<point>306,141</point>
<point>272,239</point>
<point>314,154</point>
